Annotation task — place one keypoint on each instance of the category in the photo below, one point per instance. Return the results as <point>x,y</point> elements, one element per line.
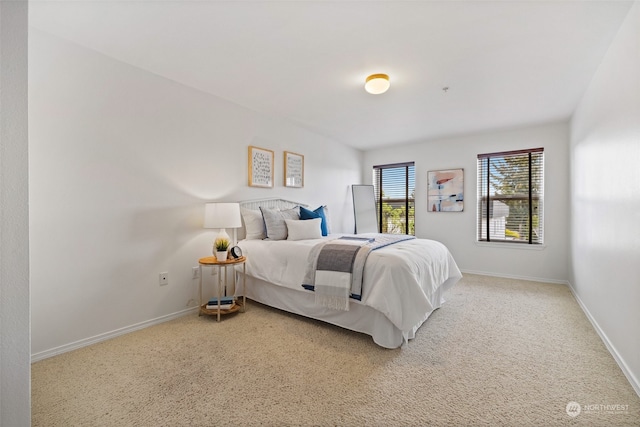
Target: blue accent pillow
<point>318,213</point>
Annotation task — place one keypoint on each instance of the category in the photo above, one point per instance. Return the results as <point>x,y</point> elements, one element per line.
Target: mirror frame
<point>364,209</point>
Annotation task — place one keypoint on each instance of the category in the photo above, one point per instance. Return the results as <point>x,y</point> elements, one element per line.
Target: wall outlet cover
<point>164,278</point>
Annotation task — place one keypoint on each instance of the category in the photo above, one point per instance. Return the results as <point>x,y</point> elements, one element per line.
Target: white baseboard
<point>511,276</point>
<point>616,356</point>
<point>108,335</point>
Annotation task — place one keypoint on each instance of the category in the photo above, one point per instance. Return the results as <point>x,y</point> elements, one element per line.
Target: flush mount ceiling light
<point>377,84</point>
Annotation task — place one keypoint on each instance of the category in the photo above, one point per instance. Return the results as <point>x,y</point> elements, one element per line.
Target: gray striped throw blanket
<point>335,267</point>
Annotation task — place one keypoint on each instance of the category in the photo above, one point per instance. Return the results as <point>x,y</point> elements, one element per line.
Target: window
<point>394,187</point>
<point>510,196</point>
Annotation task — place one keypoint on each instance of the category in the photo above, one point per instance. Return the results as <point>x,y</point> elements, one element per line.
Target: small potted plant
<point>220,246</point>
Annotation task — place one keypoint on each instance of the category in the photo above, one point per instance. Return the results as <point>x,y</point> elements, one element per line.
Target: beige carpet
<point>499,352</point>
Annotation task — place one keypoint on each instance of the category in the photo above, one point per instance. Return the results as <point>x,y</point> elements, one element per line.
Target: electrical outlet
<point>195,272</point>
<point>164,278</point>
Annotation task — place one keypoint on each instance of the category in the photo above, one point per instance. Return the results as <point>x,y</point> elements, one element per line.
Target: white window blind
<point>511,196</point>
<point>394,187</point>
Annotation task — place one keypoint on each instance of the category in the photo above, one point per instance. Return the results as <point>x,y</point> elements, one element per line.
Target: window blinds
<point>510,196</point>
<point>394,187</point>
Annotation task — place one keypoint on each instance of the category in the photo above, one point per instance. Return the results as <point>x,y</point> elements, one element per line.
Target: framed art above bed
<point>293,170</point>
<point>260,167</point>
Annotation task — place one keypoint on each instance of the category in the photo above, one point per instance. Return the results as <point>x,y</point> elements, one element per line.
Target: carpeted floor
<point>499,352</point>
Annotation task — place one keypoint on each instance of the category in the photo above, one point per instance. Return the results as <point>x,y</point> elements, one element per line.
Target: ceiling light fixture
<point>377,84</point>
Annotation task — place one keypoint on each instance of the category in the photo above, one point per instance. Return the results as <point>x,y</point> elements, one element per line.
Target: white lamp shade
<point>377,83</point>
<point>222,215</point>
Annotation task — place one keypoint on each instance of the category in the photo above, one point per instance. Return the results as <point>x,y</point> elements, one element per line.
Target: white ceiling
<point>506,63</point>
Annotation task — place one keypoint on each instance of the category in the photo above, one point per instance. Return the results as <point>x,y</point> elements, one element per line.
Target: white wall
<point>15,369</point>
<point>457,230</point>
<point>121,164</point>
<point>605,196</point>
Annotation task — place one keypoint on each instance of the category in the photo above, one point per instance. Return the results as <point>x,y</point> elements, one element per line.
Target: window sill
<point>502,245</point>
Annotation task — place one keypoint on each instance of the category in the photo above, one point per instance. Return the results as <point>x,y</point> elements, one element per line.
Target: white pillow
<point>253,224</point>
<point>304,229</point>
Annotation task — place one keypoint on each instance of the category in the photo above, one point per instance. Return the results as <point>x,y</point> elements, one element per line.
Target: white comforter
<point>401,280</point>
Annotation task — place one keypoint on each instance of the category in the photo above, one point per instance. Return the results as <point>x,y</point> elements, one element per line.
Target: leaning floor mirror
<point>364,209</point>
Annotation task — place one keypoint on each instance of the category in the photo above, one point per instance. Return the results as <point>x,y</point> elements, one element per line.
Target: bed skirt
<point>359,318</point>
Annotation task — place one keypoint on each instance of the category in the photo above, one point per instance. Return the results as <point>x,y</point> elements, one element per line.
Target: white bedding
<point>405,281</point>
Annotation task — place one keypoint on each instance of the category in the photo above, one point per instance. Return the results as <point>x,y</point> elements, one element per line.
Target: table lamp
<point>222,216</point>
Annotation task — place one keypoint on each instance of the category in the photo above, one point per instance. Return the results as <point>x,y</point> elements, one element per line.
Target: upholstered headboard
<point>272,203</point>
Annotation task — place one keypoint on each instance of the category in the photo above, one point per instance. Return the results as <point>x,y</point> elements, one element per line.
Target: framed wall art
<point>260,167</point>
<point>446,190</point>
<point>293,169</point>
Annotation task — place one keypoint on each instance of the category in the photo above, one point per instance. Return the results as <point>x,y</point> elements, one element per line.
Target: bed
<point>402,283</point>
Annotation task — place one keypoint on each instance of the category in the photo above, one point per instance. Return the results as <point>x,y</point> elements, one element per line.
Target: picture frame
<point>293,169</point>
<point>260,167</point>
<point>446,190</point>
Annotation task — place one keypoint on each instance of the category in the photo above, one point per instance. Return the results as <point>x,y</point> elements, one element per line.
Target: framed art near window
<point>260,167</point>
<point>446,190</point>
<point>293,169</point>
